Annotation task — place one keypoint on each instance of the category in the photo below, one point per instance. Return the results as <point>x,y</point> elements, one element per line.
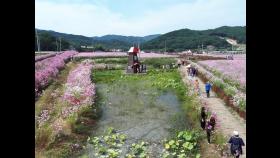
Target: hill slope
<point>127,39</point>
<point>191,39</point>
<point>107,41</point>
<point>178,40</point>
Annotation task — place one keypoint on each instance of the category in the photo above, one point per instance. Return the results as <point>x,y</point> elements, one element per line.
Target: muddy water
<point>139,111</point>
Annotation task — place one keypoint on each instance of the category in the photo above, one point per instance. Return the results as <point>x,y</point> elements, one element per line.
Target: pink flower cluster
<point>70,110</point>
<point>79,90</point>
<point>121,54</point>
<point>235,56</point>
<point>47,69</point>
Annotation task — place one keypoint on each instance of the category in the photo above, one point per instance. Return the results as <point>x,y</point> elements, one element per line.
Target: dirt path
<point>227,119</point>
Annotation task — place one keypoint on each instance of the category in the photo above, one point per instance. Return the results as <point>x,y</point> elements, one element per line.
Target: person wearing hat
<point>236,144</point>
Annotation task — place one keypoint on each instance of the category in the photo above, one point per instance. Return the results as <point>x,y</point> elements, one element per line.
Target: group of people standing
<point>229,57</point>
<point>207,124</point>
<point>208,87</point>
<point>192,71</point>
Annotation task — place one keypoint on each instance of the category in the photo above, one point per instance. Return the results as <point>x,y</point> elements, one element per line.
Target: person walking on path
<point>179,64</point>
<point>209,129</point>
<point>212,122</point>
<point>203,117</point>
<point>236,144</point>
<point>194,72</point>
<point>188,71</point>
<point>196,87</point>
<point>208,88</point>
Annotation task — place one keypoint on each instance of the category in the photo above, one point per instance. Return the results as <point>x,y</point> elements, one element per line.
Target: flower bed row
<point>79,89</point>
<point>71,113</point>
<point>119,54</point>
<point>201,57</point>
<point>47,69</point>
<point>42,57</point>
<point>79,93</point>
<point>100,55</point>
<point>232,97</point>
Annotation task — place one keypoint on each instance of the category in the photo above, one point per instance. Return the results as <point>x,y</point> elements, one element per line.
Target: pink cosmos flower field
<point>100,54</point>
<point>234,69</point>
<point>47,69</point>
<point>155,55</point>
<point>120,54</point>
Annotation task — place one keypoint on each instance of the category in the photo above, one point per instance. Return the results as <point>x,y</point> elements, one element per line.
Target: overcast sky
<point>136,17</point>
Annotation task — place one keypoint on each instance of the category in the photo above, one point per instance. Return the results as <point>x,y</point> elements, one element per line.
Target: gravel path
<point>228,120</point>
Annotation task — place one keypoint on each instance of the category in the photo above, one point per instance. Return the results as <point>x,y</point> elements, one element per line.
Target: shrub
<point>43,136</point>
<point>230,91</point>
<point>219,83</point>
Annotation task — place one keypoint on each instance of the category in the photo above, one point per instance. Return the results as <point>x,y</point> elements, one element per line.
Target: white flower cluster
<point>58,125</point>
<point>99,66</point>
<point>44,116</point>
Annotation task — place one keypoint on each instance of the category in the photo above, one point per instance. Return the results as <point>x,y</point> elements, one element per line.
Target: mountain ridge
<point>177,40</point>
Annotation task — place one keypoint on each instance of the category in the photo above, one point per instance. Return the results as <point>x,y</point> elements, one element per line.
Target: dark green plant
<point>183,145</point>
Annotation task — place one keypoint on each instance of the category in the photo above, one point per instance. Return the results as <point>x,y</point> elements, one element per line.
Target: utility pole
<point>92,45</point>
<point>139,49</point>
<point>38,40</point>
<point>60,44</point>
<point>165,45</point>
<point>56,44</point>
